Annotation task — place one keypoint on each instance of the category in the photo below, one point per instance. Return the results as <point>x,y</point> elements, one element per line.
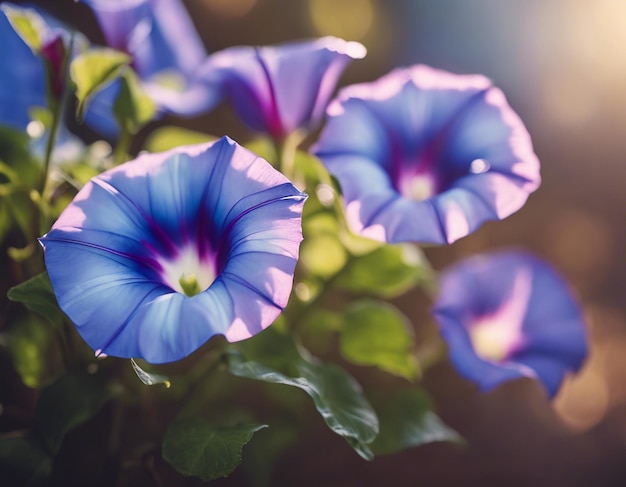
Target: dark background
<point>562,65</point>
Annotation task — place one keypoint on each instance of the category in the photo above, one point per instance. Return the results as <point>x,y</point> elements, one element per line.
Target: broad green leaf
<point>15,153</point>
<point>388,271</point>
<point>23,460</point>
<point>28,24</point>
<point>169,137</point>
<point>92,70</point>
<point>378,334</point>
<point>149,378</point>
<point>407,420</point>
<point>194,447</point>
<point>336,395</point>
<point>37,295</point>
<point>23,211</point>
<point>133,108</point>
<point>31,343</point>
<point>68,402</point>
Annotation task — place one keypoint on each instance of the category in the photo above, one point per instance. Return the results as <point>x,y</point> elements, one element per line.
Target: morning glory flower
<point>427,156</point>
<point>157,255</point>
<point>166,52</point>
<point>509,315</point>
<point>22,72</point>
<point>278,89</point>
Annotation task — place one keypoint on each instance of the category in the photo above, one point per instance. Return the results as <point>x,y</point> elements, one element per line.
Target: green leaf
<point>194,447</point>
<point>166,138</point>
<point>28,24</point>
<point>133,108</point>
<point>23,460</point>
<point>388,271</point>
<point>68,402</point>
<point>407,420</point>
<point>37,295</point>
<point>337,395</point>
<point>92,70</point>
<point>30,341</point>
<point>378,334</point>
<point>149,378</point>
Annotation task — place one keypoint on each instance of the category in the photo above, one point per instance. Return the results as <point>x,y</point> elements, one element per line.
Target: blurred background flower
<point>508,315</point>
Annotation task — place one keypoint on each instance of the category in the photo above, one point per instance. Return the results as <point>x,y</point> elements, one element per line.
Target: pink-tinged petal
<point>448,141</point>
<point>510,315</point>
<point>216,212</point>
<point>278,89</point>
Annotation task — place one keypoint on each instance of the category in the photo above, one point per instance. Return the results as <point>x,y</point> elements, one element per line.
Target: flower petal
<point>116,253</point>
<point>509,315</point>
<point>279,89</point>
<point>450,142</point>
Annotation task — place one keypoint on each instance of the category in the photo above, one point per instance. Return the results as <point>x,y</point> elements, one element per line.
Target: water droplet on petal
<point>479,166</point>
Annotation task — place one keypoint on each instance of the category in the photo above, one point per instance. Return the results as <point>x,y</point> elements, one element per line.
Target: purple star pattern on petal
<point>278,89</point>
<point>166,52</point>
<point>509,315</point>
<point>154,257</point>
<point>427,156</point>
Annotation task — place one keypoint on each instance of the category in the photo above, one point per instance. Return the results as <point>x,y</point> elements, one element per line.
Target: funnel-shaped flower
<point>427,156</point>
<point>166,52</point>
<point>278,89</point>
<point>509,315</point>
<point>23,73</point>
<point>154,257</point>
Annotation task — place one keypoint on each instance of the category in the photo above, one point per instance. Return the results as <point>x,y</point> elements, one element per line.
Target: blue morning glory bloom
<point>157,255</point>
<point>166,51</point>
<point>22,73</point>
<point>509,315</point>
<point>278,89</point>
<point>427,156</point>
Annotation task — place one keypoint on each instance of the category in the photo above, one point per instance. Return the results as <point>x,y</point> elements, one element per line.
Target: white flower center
<point>496,336</point>
<point>420,187</point>
<point>187,273</point>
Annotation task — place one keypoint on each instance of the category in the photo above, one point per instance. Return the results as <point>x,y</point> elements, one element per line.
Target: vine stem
<point>286,149</point>
<point>121,149</point>
<point>58,110</point>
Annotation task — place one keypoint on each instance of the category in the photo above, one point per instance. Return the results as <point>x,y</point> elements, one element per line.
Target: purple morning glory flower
<point>427,156</point>
<point>278,89</point>
<point>509,315</point>
<point>157,255</point>
<point>166,51</point>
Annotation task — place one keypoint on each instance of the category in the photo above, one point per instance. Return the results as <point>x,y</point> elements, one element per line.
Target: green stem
<point>121,149</point>
<point>286,153</point>
<point>58,109</point>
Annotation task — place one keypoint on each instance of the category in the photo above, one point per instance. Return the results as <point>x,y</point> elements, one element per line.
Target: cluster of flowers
<point>157,255</point>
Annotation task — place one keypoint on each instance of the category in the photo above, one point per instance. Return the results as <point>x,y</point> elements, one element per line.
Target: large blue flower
<point>427,156</point>
<point>166,52</point>
<point>278,89</point>
<point>154,257</point>
<point>509,315</point>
